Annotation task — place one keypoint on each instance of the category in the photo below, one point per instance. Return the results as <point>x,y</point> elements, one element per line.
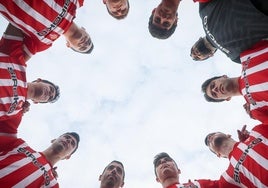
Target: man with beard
<point>252,84</point>
<point>113,175</point>
<point>164,18</point>
<point>248,159</point>
<point>117,8</point>
<point>21,166</point>
<point>14,87</point>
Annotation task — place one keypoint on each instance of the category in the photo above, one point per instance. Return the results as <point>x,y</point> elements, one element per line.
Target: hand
<point>25,107</point>
<point>243,134</point>
<point>247,109</point>
<point>54,172</point>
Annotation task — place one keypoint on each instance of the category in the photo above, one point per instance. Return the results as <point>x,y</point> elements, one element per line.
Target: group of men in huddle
<point>238,28</point>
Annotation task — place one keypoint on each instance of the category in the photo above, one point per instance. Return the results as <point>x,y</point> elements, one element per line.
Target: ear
<point>224,76</point>
<point>179,171</point>
<point>229,98</point>
<point>67,157</point>
<point>123,183</point>
<point>104,1</point>
<point>35,102</point>
<point>100,178</point>
<point>68,44</point>
<point>218,155</point>
<point>153,11</point>
<point>157,179</point>
<point>52,140</point>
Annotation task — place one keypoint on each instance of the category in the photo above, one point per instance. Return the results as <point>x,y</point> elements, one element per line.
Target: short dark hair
<point>89,50</point>
<point>204,90</point>
<point>160,156</point>
<point>118,162</point>
<point>159,32</point>
<point>121,16</point>
<point>202,49</point>
<point>77,138</point>
<point>57,91</point>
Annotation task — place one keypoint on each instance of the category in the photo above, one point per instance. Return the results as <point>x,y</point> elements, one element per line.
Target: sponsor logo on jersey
<point>56,21</point>
<point>15,96</point>
<point>36,163</point>
<point>209,34</point>
<point>243,158</point>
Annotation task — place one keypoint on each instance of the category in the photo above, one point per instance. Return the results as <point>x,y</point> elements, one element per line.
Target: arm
<point>13,31</point>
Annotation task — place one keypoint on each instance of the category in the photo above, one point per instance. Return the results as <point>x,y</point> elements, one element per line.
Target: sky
<point>132,98</point>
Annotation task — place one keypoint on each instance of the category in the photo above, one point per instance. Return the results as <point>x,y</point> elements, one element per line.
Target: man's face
<point>221,88</point>
<point>215,141</point>
<point>117,8</point>
<point>43,92</point>
<point>164,17</point>
<point>64,146</point>
<point>112,176</point>
<point>165,169</point>
<point>80,41</point>
<point>200,52</point>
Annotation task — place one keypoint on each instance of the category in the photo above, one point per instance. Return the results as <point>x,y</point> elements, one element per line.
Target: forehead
<point>115,164</point>
<point>69,136</point>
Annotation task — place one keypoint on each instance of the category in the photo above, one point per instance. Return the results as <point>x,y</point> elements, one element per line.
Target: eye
<point>157,20</point>
<point>119,170</point>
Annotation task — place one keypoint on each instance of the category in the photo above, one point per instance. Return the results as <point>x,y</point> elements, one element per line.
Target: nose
<point>114,171</point>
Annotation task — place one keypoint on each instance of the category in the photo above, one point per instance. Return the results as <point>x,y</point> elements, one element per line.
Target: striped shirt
<point>21,166</point>
<point>248,165</point>
<point>13,83</point>
<point>42,21</point>
<point>253,83</point>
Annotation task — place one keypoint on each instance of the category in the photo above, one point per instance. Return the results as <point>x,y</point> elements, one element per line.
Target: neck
<point>30,91</point>
<point>170,181</point>
<point>209,45</point>
<point>171,4</point>
<point>50,156</point>
<point>236,86</point>
<point>227,148</point>
<point>71,31</point>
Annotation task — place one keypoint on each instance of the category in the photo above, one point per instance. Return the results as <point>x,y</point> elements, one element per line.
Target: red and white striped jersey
<point>248,165</point>
<point>21,166</point>
<point>253,83</point>
<point>43,20</point>
<point>13,85</point>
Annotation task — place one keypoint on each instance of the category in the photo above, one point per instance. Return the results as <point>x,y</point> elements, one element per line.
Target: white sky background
<point>134,97</point>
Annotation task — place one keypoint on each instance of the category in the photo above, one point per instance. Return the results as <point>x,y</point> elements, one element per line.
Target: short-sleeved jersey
<point>21,166</point>
<point>248,165</point>
<point>253,83</point>
<point>42,21</point>
<point>233,26</point>
<point>13,83</point>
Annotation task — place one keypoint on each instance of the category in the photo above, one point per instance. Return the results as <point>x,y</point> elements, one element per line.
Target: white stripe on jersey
<point>26,181</point>
<point>259,104</point>
<point>4,65</point>
<point>247,173</point>
<point>229,179</point>
<point>12,152</point>
<point>254,54</point>
<point>255,69</point>
<point>262,161</point>
<point>9,82</point>
<point>39,17</point>
<point>256,88</point>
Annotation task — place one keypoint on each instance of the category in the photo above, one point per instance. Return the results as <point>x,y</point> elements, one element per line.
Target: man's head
<point>117,8</point>
<point>216,142</point>
<point>113,175</point>
<point>201,50</point>
<point>165,168</point>
<point>43,91</point>
<point>65,145</point>
<point>219,88</point>
<point>80,41</point>
<point>162,22</point>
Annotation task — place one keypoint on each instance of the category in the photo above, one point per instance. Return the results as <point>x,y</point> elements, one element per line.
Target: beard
<point>57,148</point>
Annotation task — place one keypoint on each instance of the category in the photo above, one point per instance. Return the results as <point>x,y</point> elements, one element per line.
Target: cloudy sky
<point>133,97</point>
